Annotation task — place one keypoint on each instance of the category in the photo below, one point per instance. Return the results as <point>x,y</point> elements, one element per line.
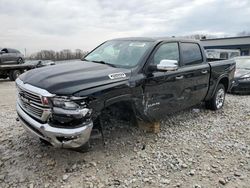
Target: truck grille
<point>32,104</point>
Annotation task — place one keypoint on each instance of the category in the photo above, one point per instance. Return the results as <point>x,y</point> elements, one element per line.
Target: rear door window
<point>191,53</point>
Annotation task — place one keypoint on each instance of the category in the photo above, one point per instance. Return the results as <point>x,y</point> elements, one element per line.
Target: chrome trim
<point>33,106</point>
<point>33,89</point>
<point>76,137</point>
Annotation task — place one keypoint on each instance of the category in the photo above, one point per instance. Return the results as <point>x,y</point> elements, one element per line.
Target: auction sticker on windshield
<point>137,44</point>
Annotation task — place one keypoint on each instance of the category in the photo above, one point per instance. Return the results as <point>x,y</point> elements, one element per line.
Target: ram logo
<point>117,75</point>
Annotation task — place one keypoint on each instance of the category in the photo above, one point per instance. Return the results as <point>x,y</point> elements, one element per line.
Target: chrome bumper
<point>58,137</point>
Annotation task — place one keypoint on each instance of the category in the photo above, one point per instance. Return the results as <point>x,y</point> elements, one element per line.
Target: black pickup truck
<point>151,77</point>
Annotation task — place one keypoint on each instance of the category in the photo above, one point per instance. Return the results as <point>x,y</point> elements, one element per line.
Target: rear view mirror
<point>167,65</point>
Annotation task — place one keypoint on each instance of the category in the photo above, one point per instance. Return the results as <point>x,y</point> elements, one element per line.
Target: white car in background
<point>222,53</point>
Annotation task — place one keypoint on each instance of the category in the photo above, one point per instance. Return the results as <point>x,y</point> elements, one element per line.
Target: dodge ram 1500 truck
<point>153,77</point>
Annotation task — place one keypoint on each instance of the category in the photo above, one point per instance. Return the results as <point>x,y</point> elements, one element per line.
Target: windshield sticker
<point>137,44</point>
<point>117,75</point>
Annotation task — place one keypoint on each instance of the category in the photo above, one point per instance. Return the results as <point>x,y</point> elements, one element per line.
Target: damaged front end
<point>62,121</point>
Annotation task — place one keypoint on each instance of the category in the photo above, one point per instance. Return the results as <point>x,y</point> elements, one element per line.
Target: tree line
<point>57,55</point>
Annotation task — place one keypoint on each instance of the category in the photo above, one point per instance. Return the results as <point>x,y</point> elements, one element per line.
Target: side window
<point>191,53</point>
<point>5,50</point>
<point>166,51</point>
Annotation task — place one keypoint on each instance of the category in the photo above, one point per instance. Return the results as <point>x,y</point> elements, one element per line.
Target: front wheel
<point>217,101</point>
<point>20,61</point>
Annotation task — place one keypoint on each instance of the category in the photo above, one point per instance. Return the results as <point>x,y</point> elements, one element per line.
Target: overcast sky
<point>72,24</point>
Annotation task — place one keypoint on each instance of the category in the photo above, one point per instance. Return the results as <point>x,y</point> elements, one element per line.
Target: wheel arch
<point>225,82</point>
<point>223,79</point>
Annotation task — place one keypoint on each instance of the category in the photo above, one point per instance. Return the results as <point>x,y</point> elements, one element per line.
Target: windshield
<point>119,53</point>
<point>243,63</point>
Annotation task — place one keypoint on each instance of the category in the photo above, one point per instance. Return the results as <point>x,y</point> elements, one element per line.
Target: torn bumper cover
<point>58,137</point>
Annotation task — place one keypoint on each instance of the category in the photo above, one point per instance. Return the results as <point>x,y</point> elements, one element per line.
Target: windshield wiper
<point>105,63</point>
<point>83,59</point>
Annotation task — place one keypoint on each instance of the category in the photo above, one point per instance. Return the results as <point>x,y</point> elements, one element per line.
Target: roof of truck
<point>155,39</point>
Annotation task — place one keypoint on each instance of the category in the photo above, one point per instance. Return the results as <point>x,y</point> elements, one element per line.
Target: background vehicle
<point>222,53</point>
<point>12,71</point>
<point>40,63</point>
<point>45,63</point>
<point>147,77</point>
<point>241,83</point>
<point>10,56</point>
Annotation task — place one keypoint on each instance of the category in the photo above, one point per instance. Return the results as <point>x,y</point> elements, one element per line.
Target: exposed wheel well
<point>225,82</point>
<point>119,110</point>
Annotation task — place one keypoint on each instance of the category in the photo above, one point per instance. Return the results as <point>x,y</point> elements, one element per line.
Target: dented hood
<point>69,78</point>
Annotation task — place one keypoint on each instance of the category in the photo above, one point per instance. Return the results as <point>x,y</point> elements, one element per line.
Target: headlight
<point>246,77</point>
<point>65,103</point>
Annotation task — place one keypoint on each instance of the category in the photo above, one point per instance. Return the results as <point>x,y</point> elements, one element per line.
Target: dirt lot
<point>195,148</point>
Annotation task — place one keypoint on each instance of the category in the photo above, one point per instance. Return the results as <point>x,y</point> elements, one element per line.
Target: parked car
<point>45,63</point>
<point>241,82</point>
<point>11,56</point>
<point>222,53</point>
<point>40,63</point>
<point>61,104</point>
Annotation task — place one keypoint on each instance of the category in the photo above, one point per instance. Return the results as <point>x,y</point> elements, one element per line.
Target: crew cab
<point>61,104</point>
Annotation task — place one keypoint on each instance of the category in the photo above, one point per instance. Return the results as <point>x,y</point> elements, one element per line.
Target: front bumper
<point>240,87</point>
<point>58,137</point>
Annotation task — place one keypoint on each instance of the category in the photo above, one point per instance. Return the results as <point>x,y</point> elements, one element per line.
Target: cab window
<point>191,54</point>
<point>168,51</point>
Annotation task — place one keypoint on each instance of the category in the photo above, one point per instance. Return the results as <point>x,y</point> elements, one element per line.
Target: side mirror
<point>167,65</point>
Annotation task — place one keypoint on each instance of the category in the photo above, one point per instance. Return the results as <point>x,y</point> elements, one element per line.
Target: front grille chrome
<point>29,98</point>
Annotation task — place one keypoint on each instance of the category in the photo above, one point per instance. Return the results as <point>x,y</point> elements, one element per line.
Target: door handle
<point>204,72</point>
<point>179,77</point>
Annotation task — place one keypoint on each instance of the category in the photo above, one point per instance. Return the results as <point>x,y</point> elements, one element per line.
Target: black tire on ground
<point>217,101</point>
<point>13,75</point>
<point>20,61</point>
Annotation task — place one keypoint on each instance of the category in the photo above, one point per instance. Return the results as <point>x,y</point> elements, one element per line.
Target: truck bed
<point>220,69</point>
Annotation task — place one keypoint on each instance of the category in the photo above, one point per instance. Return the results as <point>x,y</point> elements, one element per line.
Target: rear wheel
<point>13,75</point>
<point>217,101</point>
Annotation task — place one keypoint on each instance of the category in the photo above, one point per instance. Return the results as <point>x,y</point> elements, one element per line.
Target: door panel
<point>163,94</point>
<point>12,57</point>
<point>5,58</point>
<point>196,71</point>
<point>162,88</point>
<point>196,82</point>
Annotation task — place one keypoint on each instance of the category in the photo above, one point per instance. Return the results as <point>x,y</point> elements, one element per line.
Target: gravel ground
<point>195,148</point>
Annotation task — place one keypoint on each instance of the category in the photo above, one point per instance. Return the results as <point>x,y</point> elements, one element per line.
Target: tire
<point>20,61</point>
<point>13,75</point>
<point>218,99</point>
